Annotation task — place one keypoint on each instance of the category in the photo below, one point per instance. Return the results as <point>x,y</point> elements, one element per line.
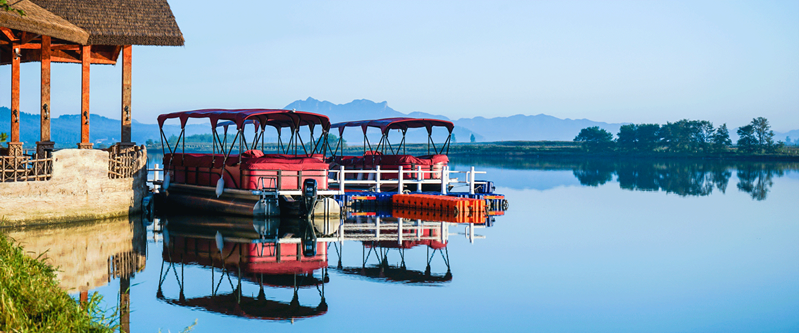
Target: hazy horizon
<point>611,61</point>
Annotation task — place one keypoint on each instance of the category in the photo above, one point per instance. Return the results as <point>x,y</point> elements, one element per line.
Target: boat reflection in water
<point>272,252</point>
<point>381,235</point>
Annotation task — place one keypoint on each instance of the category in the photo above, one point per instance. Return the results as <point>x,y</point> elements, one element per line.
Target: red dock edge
<point>446,208</point>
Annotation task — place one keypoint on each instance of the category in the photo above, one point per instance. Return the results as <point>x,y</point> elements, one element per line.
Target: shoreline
<point>555,149</point>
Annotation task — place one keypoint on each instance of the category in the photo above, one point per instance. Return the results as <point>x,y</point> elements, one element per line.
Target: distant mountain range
<point>65,130</point>
<point>518,127</point>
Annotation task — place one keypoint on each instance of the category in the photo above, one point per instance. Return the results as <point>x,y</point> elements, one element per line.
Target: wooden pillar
<point>45,144</point>
<point>125,137</point>
<point>14,145</point>
<point>86,53</point>
<point>125,304</point>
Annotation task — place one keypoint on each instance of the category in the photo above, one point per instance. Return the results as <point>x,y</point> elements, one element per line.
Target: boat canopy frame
<point>400,123</point>
<point>260,119</point>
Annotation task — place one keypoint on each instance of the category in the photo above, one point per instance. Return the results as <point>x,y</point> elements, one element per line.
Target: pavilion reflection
<point>90,255</point>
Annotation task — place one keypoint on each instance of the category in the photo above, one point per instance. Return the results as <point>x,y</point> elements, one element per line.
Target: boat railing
<point>405,178</point>
<point>338,182</point>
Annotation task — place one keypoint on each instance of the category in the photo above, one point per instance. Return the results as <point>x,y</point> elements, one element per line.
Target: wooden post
<point>44,143</point>
<point>86,53</point>
<point>125,137</point>
<point>125,304</point>
<point>14,145</point>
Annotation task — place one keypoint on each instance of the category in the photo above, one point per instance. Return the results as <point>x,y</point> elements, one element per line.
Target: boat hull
<point>181,198</point>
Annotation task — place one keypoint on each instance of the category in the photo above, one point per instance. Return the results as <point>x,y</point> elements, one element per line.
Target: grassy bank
<point>31,301</point>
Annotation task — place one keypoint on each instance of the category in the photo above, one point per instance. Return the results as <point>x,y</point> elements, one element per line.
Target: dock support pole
<point>471,177</point>
<point>400,180</point>
<point>419,178</point>
<point>341,179</point>
<point>444,176</point>
<point>471,233</point>
<point>400,231</point>
<point>378,178</point>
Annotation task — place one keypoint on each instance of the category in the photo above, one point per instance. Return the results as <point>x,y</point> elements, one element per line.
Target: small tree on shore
<point>763,133</point>
<point>647,136</point>
<point>333,140</point>
<point>626,138</point>
<point>721,138</point>
<point>595,139</point>
<point>747,141</point>
<point>704,134</point>
<point>472,137</point>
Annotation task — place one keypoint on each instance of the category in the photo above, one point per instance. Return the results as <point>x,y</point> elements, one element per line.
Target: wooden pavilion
<point>85,32</point>
<point>75,184</point>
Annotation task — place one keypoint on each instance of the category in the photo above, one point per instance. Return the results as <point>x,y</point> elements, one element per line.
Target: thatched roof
<point>42,22</point>
<point>120,22</point>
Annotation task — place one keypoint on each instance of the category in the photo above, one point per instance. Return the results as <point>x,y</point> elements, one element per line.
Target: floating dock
<point>471,206</point>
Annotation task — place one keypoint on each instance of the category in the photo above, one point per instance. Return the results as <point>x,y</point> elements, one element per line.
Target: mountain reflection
<point>680,177</point>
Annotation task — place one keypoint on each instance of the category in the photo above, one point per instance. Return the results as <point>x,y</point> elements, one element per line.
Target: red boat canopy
<point>387,124</point>
<point>273,117</point>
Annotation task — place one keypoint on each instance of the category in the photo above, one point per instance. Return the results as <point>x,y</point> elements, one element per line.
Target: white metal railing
<point>338,178</point>
<point>404,177</point>
<point>155,174</point>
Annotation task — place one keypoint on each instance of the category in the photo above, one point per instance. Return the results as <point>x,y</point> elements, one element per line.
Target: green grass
<point>31,300</point>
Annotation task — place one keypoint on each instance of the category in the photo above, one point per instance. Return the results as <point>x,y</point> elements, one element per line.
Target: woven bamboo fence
<point>26,168</point>
<point>125,264</point>
<point>124,163</point>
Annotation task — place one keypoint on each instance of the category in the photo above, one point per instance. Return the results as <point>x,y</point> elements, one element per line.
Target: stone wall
<point>79,189</point>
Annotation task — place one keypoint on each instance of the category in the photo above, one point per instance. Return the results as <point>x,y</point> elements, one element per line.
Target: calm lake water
<point>586,246</point>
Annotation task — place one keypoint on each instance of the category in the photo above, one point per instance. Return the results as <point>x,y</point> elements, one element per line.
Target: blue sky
<point>613,61</point>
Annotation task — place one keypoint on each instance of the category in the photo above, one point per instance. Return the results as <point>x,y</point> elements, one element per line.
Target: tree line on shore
<point>683,136</point>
